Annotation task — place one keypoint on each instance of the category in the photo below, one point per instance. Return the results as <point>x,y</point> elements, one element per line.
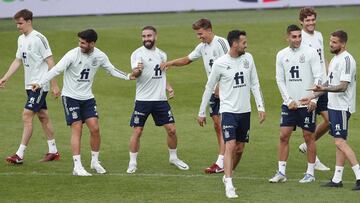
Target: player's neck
<point>309,32</point>
<point>27,32</point>
<point>341,51</point>
<point>211,38</point>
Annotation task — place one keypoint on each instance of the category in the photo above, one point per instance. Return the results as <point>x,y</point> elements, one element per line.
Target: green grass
<point>156,180</point>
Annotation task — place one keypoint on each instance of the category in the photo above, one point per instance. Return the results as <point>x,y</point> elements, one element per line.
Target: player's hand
<point>216,92</point>
<point>2,83</point>
<point>311,106</point>
<point>293,105</point>
<point>171,93</point>
<point>201,121</point>
<point>262,116</point>
<point>35,87</point>
<point>305,101</point>
<point>164,66</point>
<point>317,88</point>
<point>55,91</point>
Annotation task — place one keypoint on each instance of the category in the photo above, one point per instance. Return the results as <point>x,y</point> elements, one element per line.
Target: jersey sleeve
<point>224,46</point>
<point>135,59</point>
<point>213,79</point>
<point>346,70</point>
<point>280,80</point>
<point>109,67</point>
<point>63,64</point>
<point>43,46</point>
<point>18,54</point>
<point>255,88</point>
<point>196,53</point>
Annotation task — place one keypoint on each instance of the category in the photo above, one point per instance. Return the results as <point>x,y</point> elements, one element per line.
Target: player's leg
<point>311,154</point>
<point>163,116</point>
<point>31,107</point>
<point>218,166</point>
<point>229,128</point>
<point>239,150</point>
<point>95,141</point>
<point>47,127</point>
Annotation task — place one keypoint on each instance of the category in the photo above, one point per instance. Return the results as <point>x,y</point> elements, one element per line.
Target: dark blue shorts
<point>214,106</point>
<point>79,110</point>
<point>235,126</point>
<point>299,117</point>
<point>322,103</point>
<point>160,111</point>
<point>36,100</point>
<point>339,123</point>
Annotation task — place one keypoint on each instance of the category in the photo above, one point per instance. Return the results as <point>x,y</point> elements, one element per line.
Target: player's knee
<point>284,138</point>
<point>137,132</point>
<point>339,143</point>
<point>239,150</point>
<point>95,131</point>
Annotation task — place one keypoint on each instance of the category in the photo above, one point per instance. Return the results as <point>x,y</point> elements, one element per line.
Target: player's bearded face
<point>148,38</point>
<point>242,45</point>
<point>294,39</point>
<point>86,47</point>
<point>335,45</point>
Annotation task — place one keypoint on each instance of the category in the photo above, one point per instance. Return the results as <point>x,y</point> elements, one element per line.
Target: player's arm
<point>280,80</point>
<point>213,79</point>
<point>54,86</point>
<point>14,66</point>
<point>109,67</point>
<point>256,91</point>
<point>170,90</point>
<point>176,62</point>
<point>64,63</point>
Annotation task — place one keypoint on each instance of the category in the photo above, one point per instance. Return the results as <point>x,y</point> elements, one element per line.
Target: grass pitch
<point>156,180</point>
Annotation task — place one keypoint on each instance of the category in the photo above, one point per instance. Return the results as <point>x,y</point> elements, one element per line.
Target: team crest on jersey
<point>29,47</point>
<point>302,58</point>
<point>94,62</point>
<point>74,115</point>
<point>336,67</point>
<point>246,64</point>
<point>136,119</point>
<point>214,54</point>
<point>226,134</point>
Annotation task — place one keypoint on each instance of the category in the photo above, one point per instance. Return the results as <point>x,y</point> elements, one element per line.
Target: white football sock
<point>310,168</point>
<point>94,156</point>
<point>338,174</point>
<point>220,161</point>
<point>20,152</point>
<point>282,167</point>
<point>356,170</point>
<point>77,161</point>
<point>133,157</point>
<point>52,146</point>
<point>228,182</point>
<point>173,154</point>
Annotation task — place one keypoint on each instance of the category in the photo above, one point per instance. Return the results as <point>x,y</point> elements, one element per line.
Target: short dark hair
<point>341,34</point>
<point>149,27</point>
<point>305,12</point>
<point>89,35</point>
<point>25,14</point>
<point>234,35</point>
<point>202,23</point>
<point>291,28</point>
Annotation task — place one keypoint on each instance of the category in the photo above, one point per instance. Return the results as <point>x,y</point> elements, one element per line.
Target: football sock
<point>317,159</point>
<point>77,161</point>
<point>356,169</point>
<point>173,154</point>
<point>228,182</point>
<point>220,161</point>
<point>310,169</point>
<point>133,157</point>
<point>338,174</point>
<point>282,167</point>
<point>20,152</point>
<point>94,156</point>
<point>52,146</point>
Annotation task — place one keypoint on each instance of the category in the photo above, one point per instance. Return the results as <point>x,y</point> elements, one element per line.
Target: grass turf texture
<point>156,180</point>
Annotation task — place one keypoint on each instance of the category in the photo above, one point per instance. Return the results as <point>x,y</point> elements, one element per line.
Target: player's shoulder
<point>222,60</point>
<point>159,51</point>
<point>318,34</point>
<point>283,52</point>
<point>139,50</point>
